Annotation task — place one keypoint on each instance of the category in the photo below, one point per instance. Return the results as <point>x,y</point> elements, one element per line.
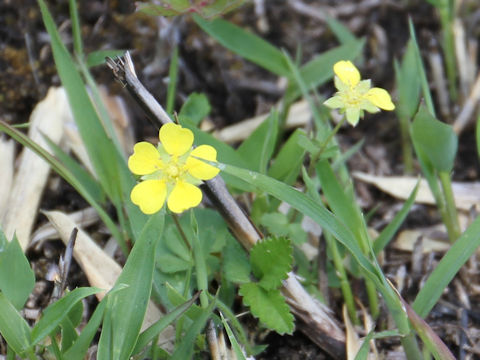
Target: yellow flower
<point>170,171</point>
<point>355,96</point>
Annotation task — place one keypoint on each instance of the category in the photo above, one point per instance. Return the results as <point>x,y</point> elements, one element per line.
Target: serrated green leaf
<point>268,306</point>
<point>14,263</point>
<point>195,108</point>
<point>436,140</point>
<point>271,261</point>
<point>236,266</point>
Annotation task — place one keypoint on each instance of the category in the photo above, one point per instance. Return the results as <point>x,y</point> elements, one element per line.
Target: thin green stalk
<point>200,266</point>
<point>342,275</point>
<point>407,154</point>
<point>201,271</point>
<point>451,217</point>
<point>76,29</point>
<point>172,81</point>
<point>446,19</point>
<point>410,346</point>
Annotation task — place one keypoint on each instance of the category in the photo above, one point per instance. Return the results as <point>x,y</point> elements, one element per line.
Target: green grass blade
<point>421,70</point>
<point>55,313</point>
<point>245,44</point>
<point>172,81</point>
<point>123,319</point>
<point>387,234</point>
<point>233,340</point>
<point>185,348</point>
<point>80,347</point>
<point>100,147</point>
<point>13,327</point>
<point>76,29</point>
<point>258,148</point>
<point>446,269</point>
<point>342,33</point>
<point>61,170</point>
<point>14,261</point>
<point>150,333</point>
<point>319,70</point>
<point>97,57</point>
<point>78,172</point>
<point>308,207</point>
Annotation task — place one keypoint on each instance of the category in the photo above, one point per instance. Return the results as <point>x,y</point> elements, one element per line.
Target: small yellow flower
<point>170,171</point>
<point>354,96</point>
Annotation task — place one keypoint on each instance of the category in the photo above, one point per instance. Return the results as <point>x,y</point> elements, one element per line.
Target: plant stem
<point>201,271</point>
<point>451,217</point>
<point>406,145</point>
<point>410,346</point>
<point>342,275</point>
<point>315,158</point>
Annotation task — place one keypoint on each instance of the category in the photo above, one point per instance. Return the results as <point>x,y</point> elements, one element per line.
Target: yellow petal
<point>149,195</point>
<point>175,139</point>
<point>200,169</point>
<point>145,159</point>
<point>183,197</point>
<point>380,98</point>
<point>347,72</point>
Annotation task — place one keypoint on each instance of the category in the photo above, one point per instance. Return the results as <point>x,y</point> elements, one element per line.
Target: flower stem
<point>332,133</point>
<point>342,275</point>
<point>451,217</point>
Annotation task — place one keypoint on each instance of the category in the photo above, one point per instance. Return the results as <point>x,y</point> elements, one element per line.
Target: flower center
<point>352,97</point>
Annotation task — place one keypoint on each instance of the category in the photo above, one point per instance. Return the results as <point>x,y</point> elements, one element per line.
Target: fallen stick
<point>316,320</point>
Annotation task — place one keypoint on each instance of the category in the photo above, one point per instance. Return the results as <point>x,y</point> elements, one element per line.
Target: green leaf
<point>278,224</point>
<point>60,169</point>
<point>185,349</point>
<point>16,277</point>
<point>464,247</point>
<point>55,313</point>
<point>269,306</point>
<point>236,266</point>
<point>126,310</point>
<point>271,261</point>
<point>258,148</point>
<point>195,108</point>
<point>435,139</point>
<point>289,159</point>
<point>408,83</point>
<point>245,44</point>
<point>97,57</point>
<point>342,32</point>
<point>308,207</point>
<point>78,172</point>
<point>13,327</point>
<point>206,9</point>
<point>155,329</point>
<point>233,340</point>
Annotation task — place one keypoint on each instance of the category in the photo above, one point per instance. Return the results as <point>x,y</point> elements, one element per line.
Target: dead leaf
<point>467,195</point>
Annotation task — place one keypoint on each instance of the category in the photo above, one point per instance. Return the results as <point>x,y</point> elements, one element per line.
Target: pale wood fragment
<point>47,119</point>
